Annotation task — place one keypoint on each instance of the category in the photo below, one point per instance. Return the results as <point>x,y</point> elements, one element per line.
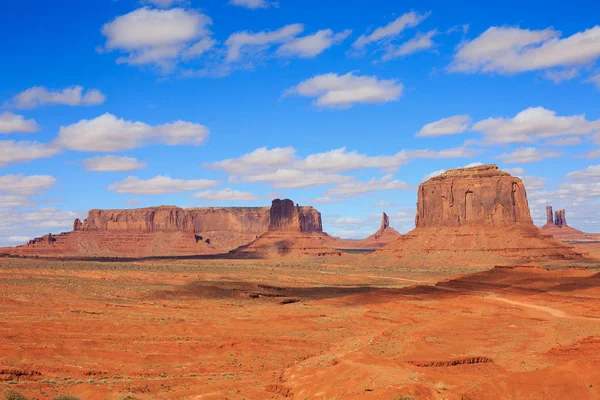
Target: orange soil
<point>215,329</point>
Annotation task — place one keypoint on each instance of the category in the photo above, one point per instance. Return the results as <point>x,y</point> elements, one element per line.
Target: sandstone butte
<point>170,231</point>
<point>556,225</point>
<point>385,235</point>
<point>472,216</point>
<point>294,231</point>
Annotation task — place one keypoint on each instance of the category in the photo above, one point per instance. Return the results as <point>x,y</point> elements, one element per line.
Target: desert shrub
<point>13,395</point>
<point>66,397</point>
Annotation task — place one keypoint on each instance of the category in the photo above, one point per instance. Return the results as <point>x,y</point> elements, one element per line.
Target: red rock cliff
<point>285,216</point>
<point>481,196</point>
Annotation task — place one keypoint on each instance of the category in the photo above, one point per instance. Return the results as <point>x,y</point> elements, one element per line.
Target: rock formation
<point>474,216</point>
<point>549,216</point>
<point>385,235</point>
<point>560,218</point>
<point>294,231</point>
<point>557,226</point>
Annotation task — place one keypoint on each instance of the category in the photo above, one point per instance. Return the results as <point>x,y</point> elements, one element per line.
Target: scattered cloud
<point>595,79</point>
<point>508,50</point>
<point>333,90</point>
<point>446,126</point>
<point>23,185</point>
<point>525,155</point>
<point>225,195</point>
<point>113,163</point>
<point>157,37</point>
<point>160,185</point>
<point>593,154</point>
<point>328,200</point>
<point>294,178</point>
<point>421,42</point>
<point>22,151</point>
<point>566,141</point>
<point>383,203</point>
<point>260,159</point>
<point>32,223</point>
<point>9,201</point>
<point>13,123</point>
<point>312,45</point>
<point>357,188</point>
<point>391,30</point>
<point>244,44</point>
<point>253,4</point>
<point>348,221</point>
<point>72,96</point>
<point>441,171</point>
<point>590,174</point>
<point>108,133</point>
<point>558,76</point>
<point>534,123</point>
<point>131,202</point>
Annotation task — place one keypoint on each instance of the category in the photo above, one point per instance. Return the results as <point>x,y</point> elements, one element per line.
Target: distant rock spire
<point>549,216</point>
<point>385,221</point>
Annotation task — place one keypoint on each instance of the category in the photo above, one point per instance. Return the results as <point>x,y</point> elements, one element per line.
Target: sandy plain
<point>332,328</point>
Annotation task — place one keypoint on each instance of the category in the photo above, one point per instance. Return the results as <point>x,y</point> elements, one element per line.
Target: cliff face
<point>478,196</point>
<point>285,216</point>
<point>171,219</point>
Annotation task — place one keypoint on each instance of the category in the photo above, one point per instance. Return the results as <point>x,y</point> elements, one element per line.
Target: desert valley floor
<point>329,328</point>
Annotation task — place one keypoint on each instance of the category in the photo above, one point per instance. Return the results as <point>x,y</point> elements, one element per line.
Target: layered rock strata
<point>475,216</point>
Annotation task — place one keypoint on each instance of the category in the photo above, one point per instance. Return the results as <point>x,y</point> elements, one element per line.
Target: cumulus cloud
<point>382,203</point>
<point>246,43</point>
<point>22,151</point>
<point>225,195</point>
<point>391,30</point>
<point>32,223</point>
<point>534,123</point>
<point>312,45</point>
<point>23,185</point>
<point>508,50</point>
<point>259,160</point>
<point>525,155</point>
<point>333,90</point>
<point>160,185</point>
<point>294,178</point>
<point>9,201</point>
<point>253,4</point>
<point>157,37</point>
<point>108,133</point>
<point>590,174</point>
<point>558,76</point>
<point>113,163</point>
<point>72,96</point>
<point>13,123</point>
<point>446,126</point>
<point>421,42</point>
<point>357,188</point>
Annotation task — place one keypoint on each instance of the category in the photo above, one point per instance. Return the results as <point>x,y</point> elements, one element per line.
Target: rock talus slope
<point>475,216</point>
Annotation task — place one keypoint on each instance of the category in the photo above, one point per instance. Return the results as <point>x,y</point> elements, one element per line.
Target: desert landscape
<point>474,303</point>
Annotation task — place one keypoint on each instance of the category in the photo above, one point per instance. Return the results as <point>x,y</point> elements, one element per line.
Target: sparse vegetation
<point>66,397</point>
<point>441,386</point>
<point>13,395</point>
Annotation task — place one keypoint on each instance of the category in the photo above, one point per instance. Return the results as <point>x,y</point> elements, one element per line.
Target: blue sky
<point>345,106</point>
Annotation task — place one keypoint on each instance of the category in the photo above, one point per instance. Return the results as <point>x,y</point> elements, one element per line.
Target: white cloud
<point>225,195</point>
<point>348,221</point>
<point>333,90</point>
<point>163,3</point>
<point>253,4</point>
<point>108,133</point>
<point>446,126</point>
<point>259,160</point>
<point>16,224</point>
<point>525,155</point>
<point>508,50</point>
<point>312,45</point>
<point>7,201</point>
<point>22,185</point>
<point>72,96</point>
<point>246,43</point>
<point>157,37</point>
<point>517,171</point>
<point>566,141</point>
<point>391,30</point>
<point>382,203</point>
<point>558,76</point>
<point>593,154</point>
<point>534,123</point>
<point>294,178</point>
<point>13,123</point>
<point>420,42</point>
<point>595,79</point>
<point>112,163</point>
<point>12,151</point>
<point>441,171</point>
<point>131,202</point>
<point>160,185</point>
<point>590,174</point>
<point>344,160</point>
<point>357,188</point>
<point>18,239</point>
<point>328,200</point>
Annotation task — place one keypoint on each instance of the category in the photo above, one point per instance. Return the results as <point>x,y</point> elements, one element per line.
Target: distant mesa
<point>474,216</point>
<point>557,226</point>
<point>294,231</point>
<point>385,235</point>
